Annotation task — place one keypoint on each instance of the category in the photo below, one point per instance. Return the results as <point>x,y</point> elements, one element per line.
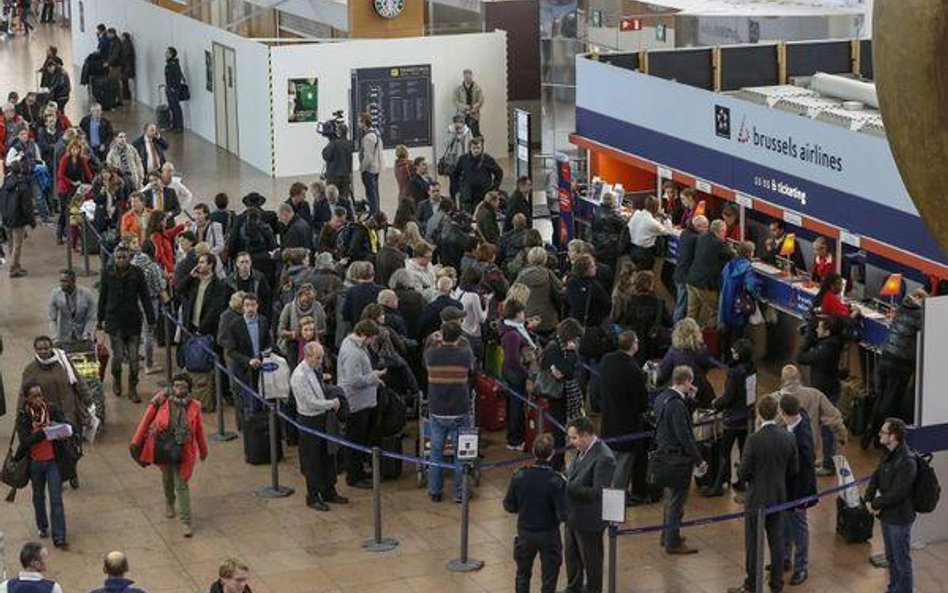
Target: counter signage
<point>665,173</point>
<point>849,238</point>
<point>745,201</point>
<point>703,186</point>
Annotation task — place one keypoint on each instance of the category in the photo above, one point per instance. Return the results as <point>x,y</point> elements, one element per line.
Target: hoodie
<point>735,279</point>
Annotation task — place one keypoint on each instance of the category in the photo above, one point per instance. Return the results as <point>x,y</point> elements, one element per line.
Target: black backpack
<point>926,490</point>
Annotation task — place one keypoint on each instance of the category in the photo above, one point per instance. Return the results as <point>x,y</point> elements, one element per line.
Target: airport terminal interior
<point>613,102</point>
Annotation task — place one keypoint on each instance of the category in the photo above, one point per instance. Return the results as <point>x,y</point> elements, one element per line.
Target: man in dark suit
<point>625,400</point>
<point>247,339</point>
<point>160,197</point>
<point>98,131</point>
<point>796,532</point>
<point>768,463</point>
<point>151,148</point>
<point>204,296</point>
<point>295,232</point>
<point>537,493</point>
<point>686,255</point>
<point>675,443</point>
<point>704,276</point>
<point>590,472</point>
<point>520,202</point>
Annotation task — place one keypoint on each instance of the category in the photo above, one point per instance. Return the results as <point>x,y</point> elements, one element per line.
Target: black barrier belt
<point>779,508</point>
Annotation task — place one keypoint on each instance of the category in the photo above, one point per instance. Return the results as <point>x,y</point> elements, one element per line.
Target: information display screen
<point>399,100</point>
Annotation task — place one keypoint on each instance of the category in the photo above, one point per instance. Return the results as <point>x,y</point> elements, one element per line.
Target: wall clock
<point>389,9</point>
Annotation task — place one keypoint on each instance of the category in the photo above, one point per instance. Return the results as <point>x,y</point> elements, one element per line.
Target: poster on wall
<point>399,100</point>
<point>302,100</point>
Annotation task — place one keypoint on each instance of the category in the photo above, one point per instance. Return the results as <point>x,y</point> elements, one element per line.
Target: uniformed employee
<point>537,494</point>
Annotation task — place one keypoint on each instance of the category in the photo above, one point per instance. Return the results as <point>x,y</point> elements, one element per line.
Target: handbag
<point>15,472</point>
<point>744,304</point>
<point>545,384</point>
<point>167,450</point>
<point>445,168</point>
<point>184,92</point>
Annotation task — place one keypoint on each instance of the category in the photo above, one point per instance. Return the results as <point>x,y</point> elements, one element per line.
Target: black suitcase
<point>106,91</point>
<point>391,469</point>
<point>853,524</point>
<point>256,433</point>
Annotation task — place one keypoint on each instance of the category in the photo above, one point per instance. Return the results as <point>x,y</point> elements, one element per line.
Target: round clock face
<point>389,8</point>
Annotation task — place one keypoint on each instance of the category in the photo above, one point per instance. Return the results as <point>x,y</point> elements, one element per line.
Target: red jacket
<point>164,247</point>
<point>157,419</point>
<point>63,185</point>
<point>834,306</point>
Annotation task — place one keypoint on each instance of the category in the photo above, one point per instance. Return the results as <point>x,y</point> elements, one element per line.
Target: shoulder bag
<point>667,469</point>
<point>167,450</point>
<point>15,472</point>
<point>545,384</point>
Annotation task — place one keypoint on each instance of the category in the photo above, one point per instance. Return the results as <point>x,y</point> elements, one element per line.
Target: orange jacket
<point>157,419</point>
<point>129,225</point>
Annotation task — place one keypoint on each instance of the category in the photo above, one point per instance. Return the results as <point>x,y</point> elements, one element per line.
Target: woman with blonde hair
<point>688,349</point>
<point>411,237</point>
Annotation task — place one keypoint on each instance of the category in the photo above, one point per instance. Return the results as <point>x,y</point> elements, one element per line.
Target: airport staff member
<point>537,494</point>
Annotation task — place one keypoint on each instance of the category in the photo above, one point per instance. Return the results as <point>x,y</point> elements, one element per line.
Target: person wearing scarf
<point>49,461</point>
<point>178,413</point>
<point>61,385</point>
<point>519,350</point>
<point>304,305</point>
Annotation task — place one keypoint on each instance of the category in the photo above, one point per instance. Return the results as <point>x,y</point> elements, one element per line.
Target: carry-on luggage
<point>491,403</point>
<point>256,434</point>
<point>162,112</point>
<point>391,468</point>
<point>532,428</point>
<point>106,91</point>
<point>854,524</point>
<point>712,341</point>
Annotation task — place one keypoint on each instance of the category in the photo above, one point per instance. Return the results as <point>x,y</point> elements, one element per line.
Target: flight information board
<point>399,100</point>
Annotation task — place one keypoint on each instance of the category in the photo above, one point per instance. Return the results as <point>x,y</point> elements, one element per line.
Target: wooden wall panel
<point>365,23</point>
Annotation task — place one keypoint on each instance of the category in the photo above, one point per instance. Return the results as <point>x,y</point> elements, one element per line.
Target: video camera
<point>331,128</point>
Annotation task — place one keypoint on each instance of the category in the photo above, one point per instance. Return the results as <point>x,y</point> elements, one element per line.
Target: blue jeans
<point>371,183</point>
<point>681,301</point>
<point>39,199</point>
<point>444,429</point>
<point>43,475</point>
<point>796,534</point>
<point>898,553</point>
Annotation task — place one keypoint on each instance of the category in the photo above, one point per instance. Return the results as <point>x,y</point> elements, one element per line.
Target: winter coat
<point>28,438</point>
<point>625,398</point>
<point>901,341</point>
<point>337,155</point>
<point>711,254</point>
<point>736,279</point>
<point>16,203</point>
<point>518,203</point>
<point>607,233</point>
<point>72,400</point>
<point>734,399</point>
<point>122,298</point>
<point>546,293</point>
<point>486,219</point>
<point>404,172</point>
<point>700,363</point>
<point>890,488</point>
<point>157,419</point>
<point>128,58</point>
<point>822,356</point>
<point>173,75</point>
<point>587,301</point>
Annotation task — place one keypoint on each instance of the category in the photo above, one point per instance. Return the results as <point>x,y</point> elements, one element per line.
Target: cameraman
<point>337,155</point>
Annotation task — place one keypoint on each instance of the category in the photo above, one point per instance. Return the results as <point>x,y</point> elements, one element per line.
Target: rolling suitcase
<point>532,428</point>
<point>854,524</point>
<point>491,403</point>
<point>256,434</point>
<point>391,468</point>
<point>106,91</point>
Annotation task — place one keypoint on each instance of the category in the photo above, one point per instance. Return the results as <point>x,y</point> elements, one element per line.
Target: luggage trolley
<point>423,444</point>
<point>85,358</point>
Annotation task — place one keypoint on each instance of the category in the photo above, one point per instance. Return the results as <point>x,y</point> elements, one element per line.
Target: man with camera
<point>337,155</point>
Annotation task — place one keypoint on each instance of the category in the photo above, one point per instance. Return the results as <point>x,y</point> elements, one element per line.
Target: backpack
<point>926,490</point>
<point>198,354</point>
<point>343,237</point>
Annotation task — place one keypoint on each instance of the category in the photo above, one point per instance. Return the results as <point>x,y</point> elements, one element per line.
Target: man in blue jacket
<point>115,567</point>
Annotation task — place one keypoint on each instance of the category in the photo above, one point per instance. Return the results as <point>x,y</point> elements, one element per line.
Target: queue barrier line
<point>779,508</point>
<point>365,449</point>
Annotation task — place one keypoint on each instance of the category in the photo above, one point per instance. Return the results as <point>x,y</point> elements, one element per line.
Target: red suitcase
<point>712,341</point>
<point>491,403</point>
<point>532,429</point>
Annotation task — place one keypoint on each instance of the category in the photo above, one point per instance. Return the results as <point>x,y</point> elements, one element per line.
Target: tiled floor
<point>292,549</point>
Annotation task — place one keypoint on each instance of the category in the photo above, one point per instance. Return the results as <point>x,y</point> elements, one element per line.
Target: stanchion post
<point>761,538</point>
<point>169,345</point>
<point>68,245</point>
<point>3,557</point>
<point>84,229</point>
<point>463,563</point>
<point>222,435</point>
<point>613,556</point>
<point>274,490</point>
<point>378,543</point>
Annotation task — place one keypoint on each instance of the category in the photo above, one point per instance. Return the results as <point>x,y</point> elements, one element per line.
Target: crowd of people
<point>375,318</point>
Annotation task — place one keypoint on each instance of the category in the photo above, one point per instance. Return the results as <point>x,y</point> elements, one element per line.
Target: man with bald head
<point>115,567</point>
<point>313,402</point>
<point>686,254</point>
<point>817,406</point>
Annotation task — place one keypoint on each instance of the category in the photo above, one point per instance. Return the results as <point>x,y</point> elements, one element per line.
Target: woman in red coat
<point>72,171</point>
<point>163,238</point>
<point>828,298</point>
<point>404,171</point>
<point>181,416</point>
